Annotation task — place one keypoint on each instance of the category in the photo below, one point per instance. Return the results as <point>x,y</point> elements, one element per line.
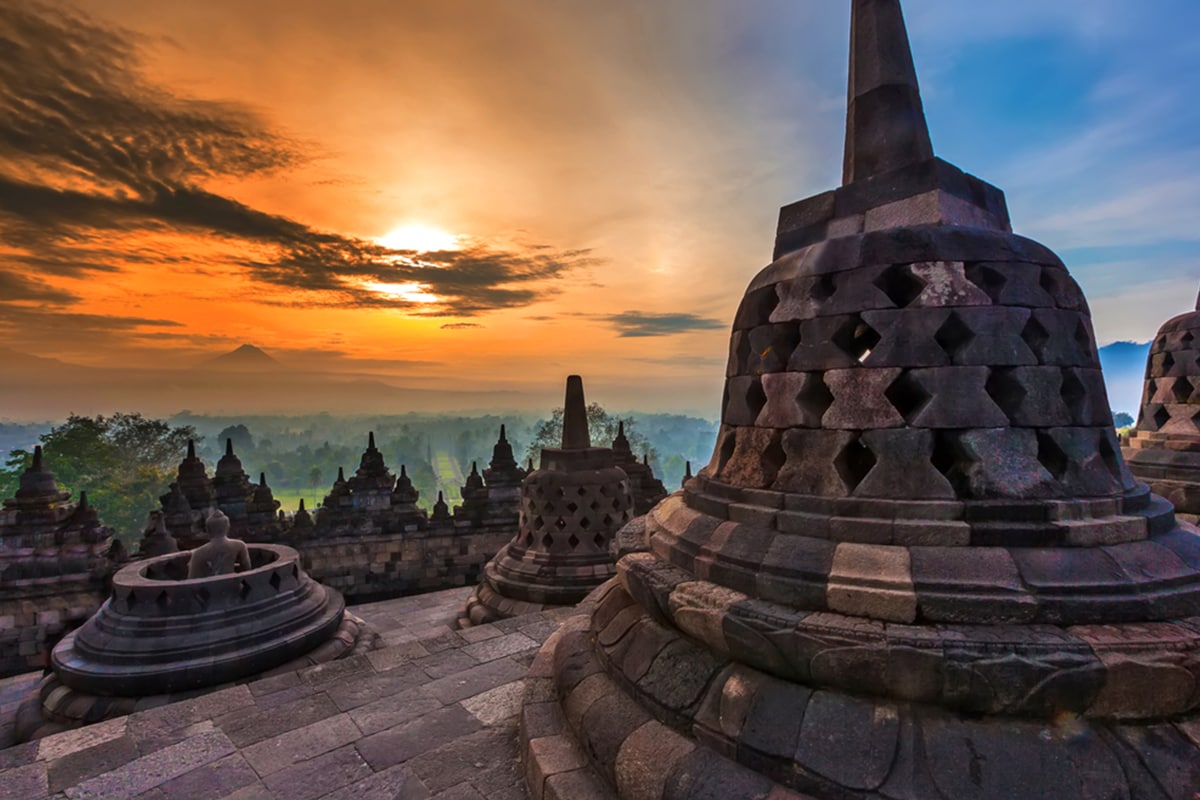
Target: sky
<point>490,194</point>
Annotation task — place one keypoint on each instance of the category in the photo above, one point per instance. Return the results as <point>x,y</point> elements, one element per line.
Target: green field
<point>449,475</point>
<point>289,499</point>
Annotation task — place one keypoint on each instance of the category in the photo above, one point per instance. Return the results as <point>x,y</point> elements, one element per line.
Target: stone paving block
<point>28,781</point>
<point>273,684</point>
<point>496,705</point>
<point>254,725</point>
<point>394,783</point>
<point>217,779</point>
<point>271,755</point>
<point>153,770</point>
<point>484,758</point>
<point>79,765</point>
<point>325,774</point>
<point>336,671</point>
<point>507,645</point>
<point>387,712</point>
<point>67,742</point>
<point>463,791</point>
<point>392,657</point>
<point>471,682</point>
<point>408,740</point>
<point>368,688</point>
<point>872,581</point>
<point>578,784</point>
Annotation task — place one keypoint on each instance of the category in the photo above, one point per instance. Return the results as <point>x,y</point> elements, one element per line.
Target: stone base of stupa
<point>623,706</point>
<point>1170,464</point>
<point>55,707</point>
<point>521,581</point>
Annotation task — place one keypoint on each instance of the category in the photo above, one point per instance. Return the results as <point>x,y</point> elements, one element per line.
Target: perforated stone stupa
<point>917,566</point>
<point>647,490</point>
<point>1164,449</point>
<point>570,509</point>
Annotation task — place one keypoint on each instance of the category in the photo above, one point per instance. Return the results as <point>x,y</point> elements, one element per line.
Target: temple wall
<point>375,566</point>
<point>36,611</point>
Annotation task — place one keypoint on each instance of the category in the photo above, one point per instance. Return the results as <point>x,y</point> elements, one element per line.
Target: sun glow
<point>419,238</point>
<point>412,292</point>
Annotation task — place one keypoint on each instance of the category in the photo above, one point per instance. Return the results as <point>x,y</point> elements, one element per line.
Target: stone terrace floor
<point>431,715</point>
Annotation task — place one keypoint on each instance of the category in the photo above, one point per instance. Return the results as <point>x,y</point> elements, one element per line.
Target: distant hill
<point>246,358</point>
<point>1124,366</point>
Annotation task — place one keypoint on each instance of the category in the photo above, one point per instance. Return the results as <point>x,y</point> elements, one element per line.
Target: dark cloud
<point>17,288</point>
<point>458,326</point>
<point>638,324</point>
<point>27,326</point>
<point>90,149</point>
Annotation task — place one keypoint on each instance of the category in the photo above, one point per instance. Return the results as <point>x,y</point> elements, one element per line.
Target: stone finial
<point>529,464</point>
<point>36,466</point>
<point>687,472</point>
<point>371,440</point>
<point>301,508</point>
<point>885,120</point>
<point>262,479</point>
<point>403,471</point>
<point>341,478</point>
<point>621,443</point>
<point>191,451</point>
<point>645,459</point>
<point>503,437</point>
<point>83,501</point>
<point>575,422</point>
<point>229,447</point>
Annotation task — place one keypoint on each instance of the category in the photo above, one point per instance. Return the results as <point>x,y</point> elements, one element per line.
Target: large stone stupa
<point>570,509</point>
<point>917,566</point>
<point>1164,449</point>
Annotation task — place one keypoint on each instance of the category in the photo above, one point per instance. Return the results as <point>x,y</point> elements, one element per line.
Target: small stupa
<point>917,566</point>
<point>570,509</point>
<point>1164,448</point>
<point>647,490</point>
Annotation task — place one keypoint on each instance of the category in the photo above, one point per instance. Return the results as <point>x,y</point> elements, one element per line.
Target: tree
<point>314,480</point>
<point>602,428</point>
<point>243,442</point>
<point>1122,420</point>
<point>124,462</point>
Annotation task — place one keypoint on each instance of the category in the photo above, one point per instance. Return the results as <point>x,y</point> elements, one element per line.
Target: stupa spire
<point>37,459</point>
<point>503,437</point>
<point>370,440</point>
<point>575,423</point>
<point>191,453</point>
<point>885,121</point>
<point>229,447</point>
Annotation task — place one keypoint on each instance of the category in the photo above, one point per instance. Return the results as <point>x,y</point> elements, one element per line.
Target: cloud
<point>18,288</point>
<point>91,150</point>
<point>458,326</point>
<point>640,324</point>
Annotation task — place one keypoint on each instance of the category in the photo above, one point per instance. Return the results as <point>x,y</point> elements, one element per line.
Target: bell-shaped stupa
<point>570,509</point>
<point>1164,448</point>
<point>917,567</point>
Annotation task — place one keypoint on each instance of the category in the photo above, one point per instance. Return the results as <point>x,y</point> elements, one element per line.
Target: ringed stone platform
<point>917,566</point>
<point>1164,448</point>
<point>570,510</point>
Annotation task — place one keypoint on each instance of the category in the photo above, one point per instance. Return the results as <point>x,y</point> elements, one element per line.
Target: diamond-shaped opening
<point>742,354</point>
<point>1182,389</point>
<point>1168,363</point>
<point>727,444</point>
<point>131,599</point>
<point>203,596</point>
<point>853,463</point>
<point>1161,417</point>
<point>547,540</point>
<point>603,490</point>
<point>538,522</point>
<point>548,508</point>
<point>856,338</point>
<point>1036,336</point>
<point>573,541</point>
<point>784,340</point>
<point>1161,343</point>
<point>990,280</point>
<point>823,288</point>
<point>616,503</point>
<point>1073,391</point>
<point>560,492</point>
<point>585,523</point>
<point>572,507</point>
<point>1083,337</point>
<point>907,395</point>
<point>581,491</point>
<point>954,335</point>
<point>814,397</point>
<point>1187,339</point>
<point>296,571</point>
<point>595,506</point>
<point>275,581</point>
<point>1051,283</point>
<point>1112,459</point>
<point>163,599</point>
<point>560,523</point>
<point>900,285</point>
<point>1006,391</point>
<point>599,540</point>
<point>608,520</point>
<point>756,398</point>
<point>773,458</point>
<point>1051,456</point>
<point>945,457</point>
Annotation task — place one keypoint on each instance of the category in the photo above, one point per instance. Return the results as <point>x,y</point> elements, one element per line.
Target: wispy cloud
<point>91,150</point>
<point>459,326</point>
<point>634,324</point>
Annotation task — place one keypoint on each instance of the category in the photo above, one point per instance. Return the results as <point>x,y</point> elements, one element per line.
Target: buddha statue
<point>221,555</point>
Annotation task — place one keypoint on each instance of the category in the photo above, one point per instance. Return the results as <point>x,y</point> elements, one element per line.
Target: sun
<point>418,238</point>
<point>412,292</point>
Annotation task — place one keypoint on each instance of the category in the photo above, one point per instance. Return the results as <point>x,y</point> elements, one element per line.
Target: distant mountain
<point>1124,366</point>
<point>246,358</point>
<point>11,359</point>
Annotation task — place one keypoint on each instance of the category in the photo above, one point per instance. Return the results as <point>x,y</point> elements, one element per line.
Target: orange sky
<point>194,176</point>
